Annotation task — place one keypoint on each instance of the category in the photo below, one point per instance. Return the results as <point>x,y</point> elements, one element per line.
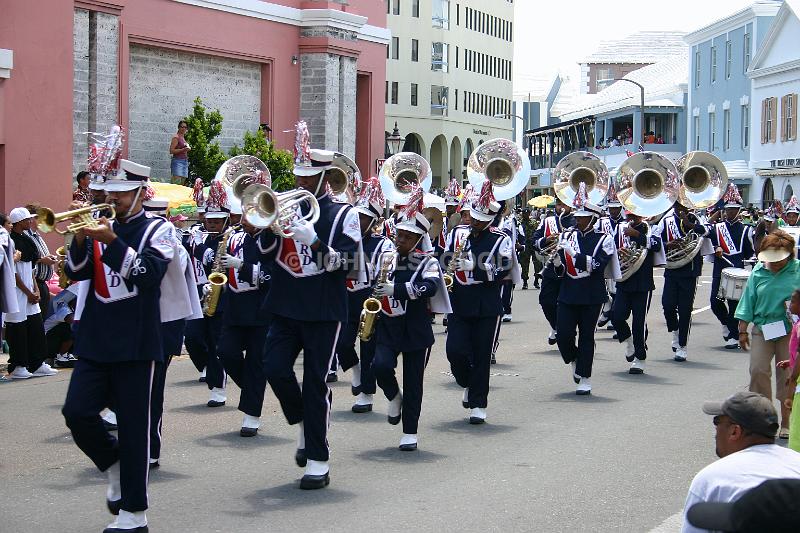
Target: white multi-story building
<point>775,74</point>
<point>448,74</point>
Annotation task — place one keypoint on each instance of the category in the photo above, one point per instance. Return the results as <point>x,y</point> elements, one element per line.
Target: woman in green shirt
<point>763,304</point>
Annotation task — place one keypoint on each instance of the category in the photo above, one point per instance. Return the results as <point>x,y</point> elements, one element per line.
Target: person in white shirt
<point>746,425</point>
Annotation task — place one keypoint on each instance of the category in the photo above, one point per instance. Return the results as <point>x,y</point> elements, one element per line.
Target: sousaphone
<point>502,162</point>
<point>400,172</point>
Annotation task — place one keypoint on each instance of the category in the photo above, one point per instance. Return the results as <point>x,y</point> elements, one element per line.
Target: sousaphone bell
<point>577,168</point>
<point>504,163</point>
<point>400,172</point>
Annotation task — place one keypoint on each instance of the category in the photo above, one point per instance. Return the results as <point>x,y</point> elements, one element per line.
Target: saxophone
<point>217,279</point>
<point>449,275</point>
<point>63,280</point>
<point>372,305</point>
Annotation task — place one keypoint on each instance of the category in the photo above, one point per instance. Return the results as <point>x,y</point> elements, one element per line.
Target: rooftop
<point>664,82</point>
<point>759,8</point>
<point>639,48</point>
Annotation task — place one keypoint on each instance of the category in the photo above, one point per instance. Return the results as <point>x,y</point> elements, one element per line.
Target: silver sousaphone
<point>343,176</point>
<point>703,182</point>
<point>400,172</point>
<point>577,168</point>
<point>502,162</point>
<point>647,185</point>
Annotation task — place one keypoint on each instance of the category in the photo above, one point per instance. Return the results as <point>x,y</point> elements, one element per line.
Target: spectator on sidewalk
<point>746,424</point>
<point>24,328</point>
<point>44,267</point>
<point>82,192</point>
<point>179,150</point>
<point>58,327</point>
<point>8,297</point>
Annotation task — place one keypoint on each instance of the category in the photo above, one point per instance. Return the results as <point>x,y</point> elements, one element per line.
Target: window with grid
<point>395,90</point>
<point>789,117</point>
<point>439,55</point>
<point>712,131</point>
<point>728,59</point>
<point>745,126</point>
<point>746,51</point>
<point>713,64</point>
<point>395,47</point>
<point>697,71</point>
<point>414,50</point>
<point>726,129</point>
<point>414,89</point>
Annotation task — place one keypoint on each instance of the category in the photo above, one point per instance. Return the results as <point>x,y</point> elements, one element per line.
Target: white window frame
<point>745,126</point>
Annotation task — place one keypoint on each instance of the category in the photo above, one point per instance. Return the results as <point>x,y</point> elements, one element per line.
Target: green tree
<point>206,156</point>
<point>279,162</point>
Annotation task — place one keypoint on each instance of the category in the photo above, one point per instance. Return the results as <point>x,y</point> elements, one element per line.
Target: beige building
<point>448,74</point>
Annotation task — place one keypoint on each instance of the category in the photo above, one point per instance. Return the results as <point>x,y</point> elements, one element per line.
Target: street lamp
<point>641,101</point>
<point>394,141</point>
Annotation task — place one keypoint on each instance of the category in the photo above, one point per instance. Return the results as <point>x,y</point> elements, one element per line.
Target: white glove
<point>303,232</point>
<point>557,261</point>
<point>230,261</point>
<point>465,264</point>
<point>197,235</point>
<point>568,249</point>
<point>208,256</point>
<point>384,289</point>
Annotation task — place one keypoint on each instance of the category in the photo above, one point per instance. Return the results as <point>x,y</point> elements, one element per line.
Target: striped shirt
<point>41,271</point>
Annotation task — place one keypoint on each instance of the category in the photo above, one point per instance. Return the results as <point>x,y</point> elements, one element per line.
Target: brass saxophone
<point>63,280</point>
<point>449,275</point>
<point>372,305</point>
<point>217,279</point>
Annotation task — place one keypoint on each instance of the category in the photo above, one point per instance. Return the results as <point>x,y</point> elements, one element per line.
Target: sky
<point>552,35</point>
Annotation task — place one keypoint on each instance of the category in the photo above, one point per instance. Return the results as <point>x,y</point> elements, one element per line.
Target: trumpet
<point>48,221</point>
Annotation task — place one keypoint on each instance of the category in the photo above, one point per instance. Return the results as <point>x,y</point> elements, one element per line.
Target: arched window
<point>788,193</point>
<point>767,193</point>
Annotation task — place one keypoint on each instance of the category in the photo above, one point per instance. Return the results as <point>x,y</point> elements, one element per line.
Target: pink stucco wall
<point>36,102</point>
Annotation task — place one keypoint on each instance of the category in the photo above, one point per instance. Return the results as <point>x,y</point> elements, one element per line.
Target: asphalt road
<point>547,460</point>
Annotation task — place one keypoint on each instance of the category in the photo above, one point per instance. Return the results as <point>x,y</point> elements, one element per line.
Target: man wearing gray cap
<point>746,424</point>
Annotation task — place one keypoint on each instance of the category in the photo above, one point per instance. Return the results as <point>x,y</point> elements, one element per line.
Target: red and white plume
<point>415,204</point>
<point>612,194</point>
<point>487,195</point>
<point>105,150</point>
<point>732,195</point>
<point>792,204</point>
<point>302,150</point>
<point>466,196</point>
<point>149,193</point>
<point>580,197</point>
<point>197,193</point>
<point>453,188</point>
<point>371,193</point>
<point>217,197</point>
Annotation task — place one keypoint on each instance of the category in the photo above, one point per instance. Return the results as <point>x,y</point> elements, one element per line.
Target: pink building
<point>70,67</point>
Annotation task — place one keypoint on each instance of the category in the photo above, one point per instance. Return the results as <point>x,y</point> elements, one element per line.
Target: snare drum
<point>732,282</point>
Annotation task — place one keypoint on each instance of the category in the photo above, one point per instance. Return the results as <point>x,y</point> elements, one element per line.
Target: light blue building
<point>719,95</point>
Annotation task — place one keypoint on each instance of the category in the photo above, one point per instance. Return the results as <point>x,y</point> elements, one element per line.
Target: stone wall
<point>163,86</point>
<point>95,85</point>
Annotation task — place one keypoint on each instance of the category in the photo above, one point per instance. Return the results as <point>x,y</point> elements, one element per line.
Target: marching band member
<point>202,335</point>
<point>413,289</point>
<point>179,301</point>
<point>369,206</point>
<point>680,284</point>
<point>125,261</point>
<point>511,227</point>
<point>634,294</point>
<point>452,204</point>
<point>484,261</point>
<point>581,259</point>
<point>467,197</point>
<point>791,212</point>
<point>308,268</point>
<point>733,243</point>
<point>546,234</point>
<point>244,327</point>
<point>615,215</point>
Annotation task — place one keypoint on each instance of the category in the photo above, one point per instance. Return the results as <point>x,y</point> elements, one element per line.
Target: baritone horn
<point>83,217</point>
<point>265,208</point>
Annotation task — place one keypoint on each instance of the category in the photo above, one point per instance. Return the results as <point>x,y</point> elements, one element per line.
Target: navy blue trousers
<point>172,334</point>
<point>241,350</point>
<point>724,311</point>
<point>548,299</point>
<point>312,404</point>
<point>507,295</point>
<point>638,304</point>
<point>677,301</point>
<point>578,321</point>
<point>414,363</point>
<point>202,337</point>
<point>469,350</point>
<point>127,386</point>
<point>346,354</point>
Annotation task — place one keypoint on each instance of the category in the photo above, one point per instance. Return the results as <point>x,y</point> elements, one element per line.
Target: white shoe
<point>363,403</point>
<point>637,367</point>
<point>355,378</point>
<point>731,344</point>
<point>675,341</point>
<point>477,415</point>
<point>217,397</point>
<point>552,335</point>
<point>316,468</point>
<point>252,422</point>
<point>20,372</point>
<point>680,354</point>
<point>629,348</point>
<point>44,370</point>
<point>408,442</point>
<point>395,408</point>
<point>203,373</point>
<point>507,317</point>
<point>129,521</point>
<point>584,387</point>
